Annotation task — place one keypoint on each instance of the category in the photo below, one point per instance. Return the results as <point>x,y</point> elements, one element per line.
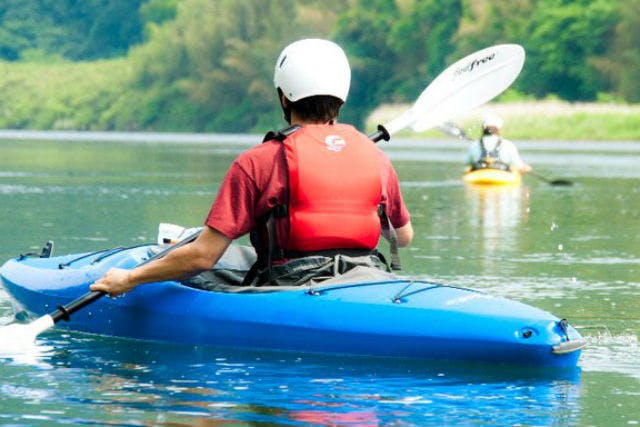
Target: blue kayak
<point>388,317</point>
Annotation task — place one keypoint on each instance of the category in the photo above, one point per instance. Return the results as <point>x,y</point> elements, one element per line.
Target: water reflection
<point>93,378</point>
<point>35,355</point>
<point>496,214</point>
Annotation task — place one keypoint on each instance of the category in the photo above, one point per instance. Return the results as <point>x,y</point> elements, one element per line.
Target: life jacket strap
<point>266,244</point>
<point>490,163</point>
<point>261,239</point>
<point>281,134</point>
<point>390,234</point>
<point>329,253</point>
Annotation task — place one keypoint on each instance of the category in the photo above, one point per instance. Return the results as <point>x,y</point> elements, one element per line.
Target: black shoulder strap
<point>390,234</point>
<point>483,149</point>
<point>263,236</point>
<point>281,134</point>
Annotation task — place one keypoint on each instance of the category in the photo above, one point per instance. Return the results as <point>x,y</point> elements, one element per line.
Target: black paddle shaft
<point>559,182</point>
<point>64,311</point>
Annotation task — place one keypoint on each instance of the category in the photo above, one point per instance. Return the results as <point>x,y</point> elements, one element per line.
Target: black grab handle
<point>380,134</point>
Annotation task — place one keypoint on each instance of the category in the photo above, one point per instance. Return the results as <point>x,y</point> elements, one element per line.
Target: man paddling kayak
<point>494,151</point>
<point>314,196</point>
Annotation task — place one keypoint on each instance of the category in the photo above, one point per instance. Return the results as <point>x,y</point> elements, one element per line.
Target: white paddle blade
<point>18,337</point>
<point>466,84</point>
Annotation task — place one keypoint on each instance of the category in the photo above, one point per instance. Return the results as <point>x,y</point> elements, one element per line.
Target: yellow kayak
<point>489,176</point>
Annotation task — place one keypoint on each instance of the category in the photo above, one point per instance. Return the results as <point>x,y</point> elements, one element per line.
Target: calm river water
<point>574,251</point>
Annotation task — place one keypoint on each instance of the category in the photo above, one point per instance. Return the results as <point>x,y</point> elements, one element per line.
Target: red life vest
<point>334,189</point>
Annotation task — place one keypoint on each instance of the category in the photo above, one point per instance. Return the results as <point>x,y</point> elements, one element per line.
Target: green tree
<point>362,30</point>
<point>115,26</point>
<point>395,49</point>
<point>488,22</point>
<point>622,64</point>
<point>158,11</point>
<point>207,65</point>
<point>422,39</point>
<point>212,67</point>
<point>563,38</point>
<point>71,29</point>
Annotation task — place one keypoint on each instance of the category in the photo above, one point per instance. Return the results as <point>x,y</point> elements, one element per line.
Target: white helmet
<point>492,121</point>
<point>312,67</point>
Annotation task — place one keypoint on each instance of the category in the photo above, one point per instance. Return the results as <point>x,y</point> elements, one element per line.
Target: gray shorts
<point>228,273</point>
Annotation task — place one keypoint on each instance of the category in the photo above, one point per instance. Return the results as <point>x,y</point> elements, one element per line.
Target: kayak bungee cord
<point>433,285</point>
<point>319,290</point>
<point>17,336</point>
<point>105,252</point>
<point>114,251</point>
<point>401,294</point>
<point>102,254</point>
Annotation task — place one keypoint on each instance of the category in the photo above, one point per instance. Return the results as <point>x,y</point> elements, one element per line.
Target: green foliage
<point>61,96</point>
<point>422,40</point>
<point>563,35</point>
<point>207,65</point>
<point>213,65</point>
<point>394,51</point>
<point>584,126</point>
<point>623,63</point>
<point>554,120</point>
<point>513,95</point>
<point>76,30</point>
<point>488,22</point>
<point>362,31</point>
<point>158,11</point>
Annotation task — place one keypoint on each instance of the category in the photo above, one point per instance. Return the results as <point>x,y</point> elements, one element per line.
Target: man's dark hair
<point>319,108</point>
<point>489,130</point>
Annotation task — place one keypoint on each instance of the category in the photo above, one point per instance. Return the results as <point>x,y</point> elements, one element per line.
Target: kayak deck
<point>490,176</point>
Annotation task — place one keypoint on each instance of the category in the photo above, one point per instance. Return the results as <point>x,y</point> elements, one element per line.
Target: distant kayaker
<point>494,151</point>
<point>315,197</point>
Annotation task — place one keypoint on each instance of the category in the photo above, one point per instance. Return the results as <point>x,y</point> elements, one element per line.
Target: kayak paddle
<point>459,133</point>
<point>558,182</point>
<point>18,336</point>
<point>464,85</point>
<point>461,87</point>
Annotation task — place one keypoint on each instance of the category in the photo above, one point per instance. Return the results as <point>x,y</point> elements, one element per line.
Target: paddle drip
<point>17,337</point>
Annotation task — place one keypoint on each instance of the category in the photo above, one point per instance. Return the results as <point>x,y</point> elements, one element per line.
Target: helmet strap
<point>286,106</point>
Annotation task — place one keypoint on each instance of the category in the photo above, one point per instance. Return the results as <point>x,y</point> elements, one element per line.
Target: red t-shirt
<point>257,181</point>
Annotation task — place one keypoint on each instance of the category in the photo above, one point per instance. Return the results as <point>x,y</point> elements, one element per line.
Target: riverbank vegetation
<point>540,119</point>
<point>206,65</point>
